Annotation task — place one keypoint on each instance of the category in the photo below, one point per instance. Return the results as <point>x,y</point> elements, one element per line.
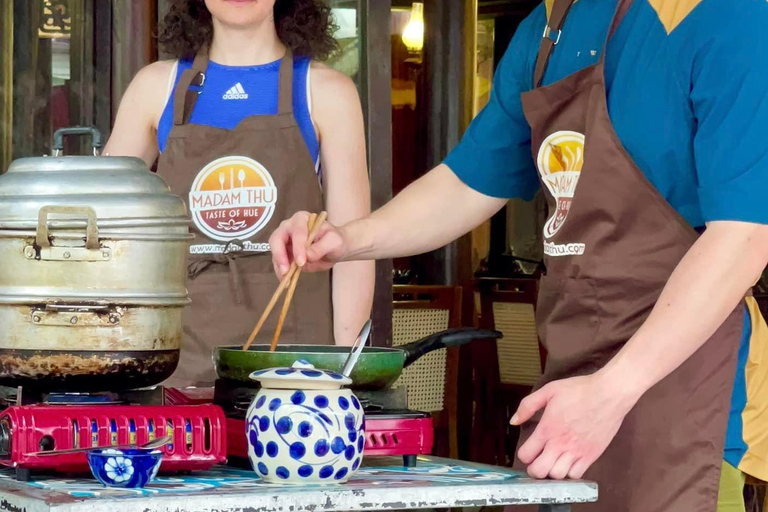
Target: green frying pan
<point>376,369</point>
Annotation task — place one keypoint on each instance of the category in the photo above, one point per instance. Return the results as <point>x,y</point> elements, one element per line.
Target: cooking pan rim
<point>301,349</point>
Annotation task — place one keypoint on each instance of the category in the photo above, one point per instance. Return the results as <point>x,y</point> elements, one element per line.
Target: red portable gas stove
<point>390,429</point>
<point>33,422</point>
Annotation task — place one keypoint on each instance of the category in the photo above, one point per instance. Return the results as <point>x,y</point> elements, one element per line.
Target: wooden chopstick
<point>284,283</point>
<point>289,295</point>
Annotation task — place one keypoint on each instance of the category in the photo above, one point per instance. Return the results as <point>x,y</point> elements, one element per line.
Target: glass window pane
<point>346,15</point>
<point>51,60</point>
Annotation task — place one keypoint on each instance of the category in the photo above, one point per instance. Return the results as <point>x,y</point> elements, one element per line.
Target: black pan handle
<point>445,339</point>
<point>58,137</point>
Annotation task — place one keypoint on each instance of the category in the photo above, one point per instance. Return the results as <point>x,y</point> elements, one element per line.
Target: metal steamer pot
<point>93,274</point>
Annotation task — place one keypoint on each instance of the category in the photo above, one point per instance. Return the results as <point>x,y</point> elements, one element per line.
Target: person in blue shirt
<point>686,99</point>
<point>247,125</point>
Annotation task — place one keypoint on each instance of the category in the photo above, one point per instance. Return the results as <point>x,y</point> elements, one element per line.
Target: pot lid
<point>301,375</point>
<point>115,187</point>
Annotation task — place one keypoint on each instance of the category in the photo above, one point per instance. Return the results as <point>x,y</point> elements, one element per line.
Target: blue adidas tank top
<point>232,93</point>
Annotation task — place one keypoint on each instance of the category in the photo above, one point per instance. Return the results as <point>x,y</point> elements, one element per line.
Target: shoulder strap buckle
<point>552,35</point>
<point>197,83</point>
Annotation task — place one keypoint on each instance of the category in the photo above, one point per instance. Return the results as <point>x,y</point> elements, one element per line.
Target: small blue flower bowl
<point>131,468</point>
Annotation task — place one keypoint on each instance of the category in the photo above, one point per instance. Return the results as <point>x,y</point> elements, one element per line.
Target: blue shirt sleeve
<point>729,97</point>
<point>494,156</point>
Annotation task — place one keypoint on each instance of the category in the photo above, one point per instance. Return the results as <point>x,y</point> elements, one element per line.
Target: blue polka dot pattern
<point>253,436</point>
<point>321,448</point>
<point>285,371</point>
<point>312,373</point>
<point>310,436</point>
<point>338,446</point>
<point>305,429</point>
<point>297,451</point>
<point>284,425</point>
<point>260,372</point>
<point>336,376</point>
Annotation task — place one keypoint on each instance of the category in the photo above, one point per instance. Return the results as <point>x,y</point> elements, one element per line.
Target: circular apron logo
<point>560,159</point>
<point>232,198</point>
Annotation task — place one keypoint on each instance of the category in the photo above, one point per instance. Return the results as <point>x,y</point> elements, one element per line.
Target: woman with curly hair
<point>249,128</point>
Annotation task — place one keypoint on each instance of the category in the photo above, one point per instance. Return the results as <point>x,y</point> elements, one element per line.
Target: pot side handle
<point>444,339</point>
<point>44,250</point>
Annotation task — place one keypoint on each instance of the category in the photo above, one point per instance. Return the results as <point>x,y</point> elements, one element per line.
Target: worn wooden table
<point>383,484</point>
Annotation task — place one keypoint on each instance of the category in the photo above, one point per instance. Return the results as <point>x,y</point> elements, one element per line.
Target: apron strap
<point>553,31</point>
<point>232,252</point>
<point>185,96</point>
<point>550,38</point>
<point>285,94</point>
<point>192,80</point>
<point>618,17</point>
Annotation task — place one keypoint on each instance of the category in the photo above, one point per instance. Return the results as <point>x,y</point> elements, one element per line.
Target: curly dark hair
<point>305,26</point>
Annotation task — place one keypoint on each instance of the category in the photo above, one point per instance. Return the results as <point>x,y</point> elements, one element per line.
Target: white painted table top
<point>383,484</point>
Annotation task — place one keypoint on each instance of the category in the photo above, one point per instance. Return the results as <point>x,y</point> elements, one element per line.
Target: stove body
<point>34,422</point>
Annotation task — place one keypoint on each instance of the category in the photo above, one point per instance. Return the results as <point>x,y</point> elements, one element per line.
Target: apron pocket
<point>568,321</point>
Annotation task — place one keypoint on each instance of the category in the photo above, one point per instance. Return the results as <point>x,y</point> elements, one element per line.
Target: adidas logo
<point>236,93</point>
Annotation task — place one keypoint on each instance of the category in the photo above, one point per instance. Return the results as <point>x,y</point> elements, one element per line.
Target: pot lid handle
<point>58,138</point>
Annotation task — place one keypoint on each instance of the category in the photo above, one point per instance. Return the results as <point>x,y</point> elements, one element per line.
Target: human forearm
<point>353,284</point>
<point>704,289</point>
<point>430,213</point>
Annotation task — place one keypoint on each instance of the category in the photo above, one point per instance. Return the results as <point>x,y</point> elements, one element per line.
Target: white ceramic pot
<point>303,427</point>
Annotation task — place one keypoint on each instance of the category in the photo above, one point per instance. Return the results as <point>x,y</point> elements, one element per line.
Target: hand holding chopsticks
<point>289,281</point>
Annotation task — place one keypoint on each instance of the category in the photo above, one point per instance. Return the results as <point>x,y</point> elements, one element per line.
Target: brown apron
<point>611,243</point>
<point>239,185</point>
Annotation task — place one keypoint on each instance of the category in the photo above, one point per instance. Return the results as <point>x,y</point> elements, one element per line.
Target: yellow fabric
<point>549,3</point>
<point>755,414</point>
<point>730,497</point>
<point>673,12</point>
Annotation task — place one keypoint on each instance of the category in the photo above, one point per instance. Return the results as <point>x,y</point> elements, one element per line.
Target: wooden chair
<point>507,369</point>
<point>431,381</point>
